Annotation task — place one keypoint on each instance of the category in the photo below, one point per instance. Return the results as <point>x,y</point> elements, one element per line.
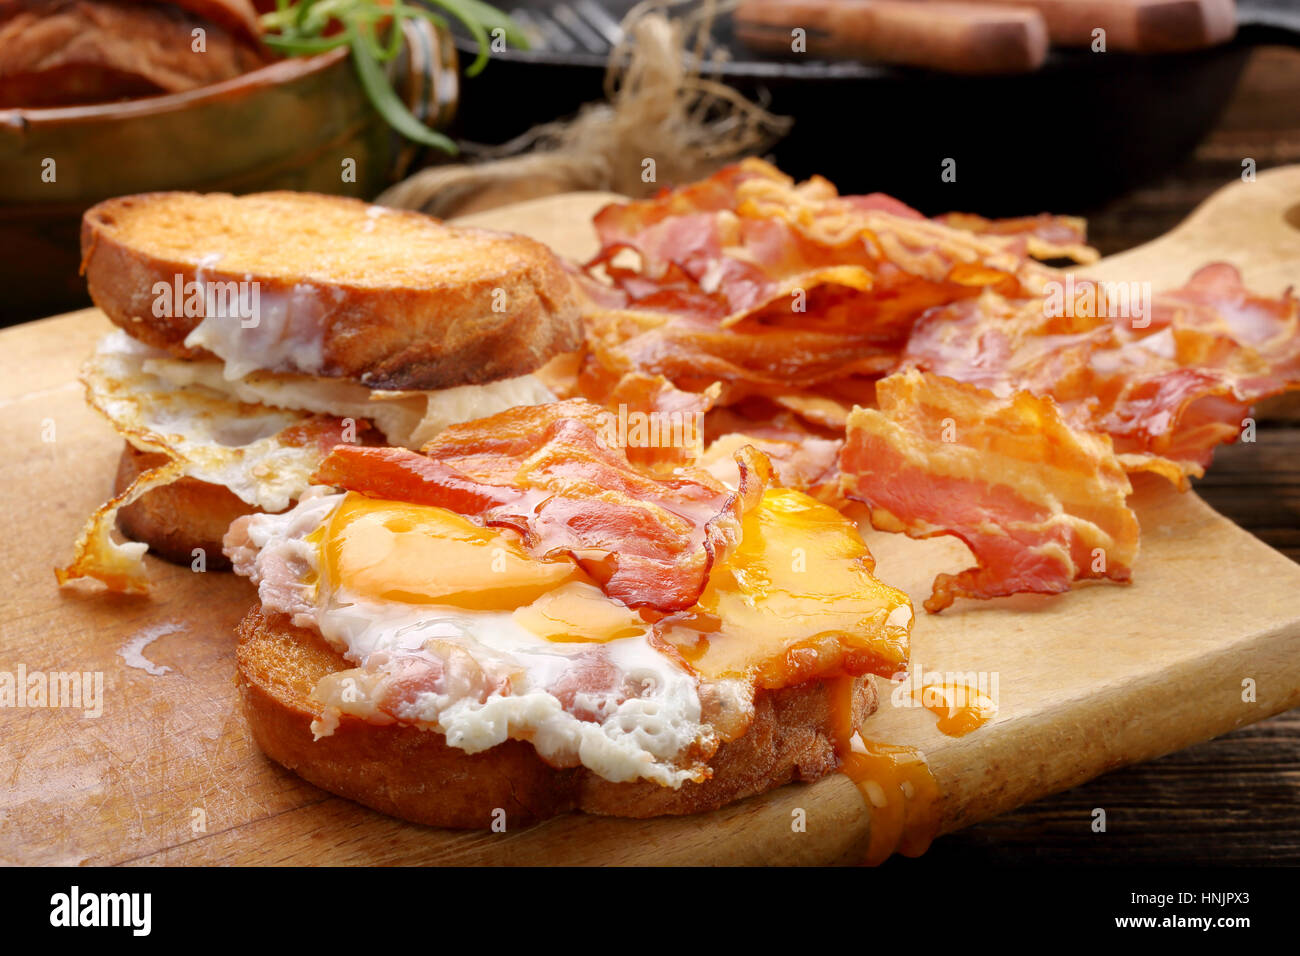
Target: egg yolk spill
<point>904,798</point>
<point>895,782</point>
<point>578,612</point>
<point>795,600</point>
<point>960,707</point>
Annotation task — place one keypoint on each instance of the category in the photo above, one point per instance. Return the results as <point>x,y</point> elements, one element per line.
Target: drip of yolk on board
<point>795,600</point>
<point>903,795</point>
<point>894,781</point>
<point>960,707</point>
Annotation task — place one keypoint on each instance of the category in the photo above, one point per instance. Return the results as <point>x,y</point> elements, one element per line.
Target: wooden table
<point>1236,799</point>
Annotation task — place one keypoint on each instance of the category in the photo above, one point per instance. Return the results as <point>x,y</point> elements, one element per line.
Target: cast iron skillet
<point>1082,129</point>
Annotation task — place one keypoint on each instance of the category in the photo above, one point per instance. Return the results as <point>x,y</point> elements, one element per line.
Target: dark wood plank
<point>1257,485</point>
<point>1234,801</point>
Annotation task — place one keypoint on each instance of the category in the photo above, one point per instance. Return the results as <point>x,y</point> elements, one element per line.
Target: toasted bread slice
<point>177,518</point>
<point>414,774</point>
<point>388,298</point>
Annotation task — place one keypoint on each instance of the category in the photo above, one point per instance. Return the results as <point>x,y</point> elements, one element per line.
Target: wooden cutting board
<point>1088,681</point>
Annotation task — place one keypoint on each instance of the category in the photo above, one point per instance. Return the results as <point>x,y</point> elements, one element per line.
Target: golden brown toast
<point>394,299</point>
<point>414,774</point>
<point>177,518</point>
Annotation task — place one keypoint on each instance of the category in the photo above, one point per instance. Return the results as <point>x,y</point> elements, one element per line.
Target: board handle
<point>1255,225</point>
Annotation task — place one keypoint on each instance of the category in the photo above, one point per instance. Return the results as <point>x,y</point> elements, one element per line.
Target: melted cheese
<point>286,328</point>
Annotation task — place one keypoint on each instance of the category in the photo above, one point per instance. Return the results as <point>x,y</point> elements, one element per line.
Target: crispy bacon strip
<point>660,426</point>
<point>555,474</point>
<point>1167,387</point>
<point>743,236</point>
<point>1219,348</point>
<point>400,474</point>
<point>1045,236</point>
<point>1040,504</point>
<point>692,350</point>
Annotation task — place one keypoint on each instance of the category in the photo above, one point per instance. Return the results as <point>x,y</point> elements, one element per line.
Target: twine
<point>662,104</point>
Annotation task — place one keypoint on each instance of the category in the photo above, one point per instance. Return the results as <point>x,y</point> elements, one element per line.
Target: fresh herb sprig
<point>373,31</point>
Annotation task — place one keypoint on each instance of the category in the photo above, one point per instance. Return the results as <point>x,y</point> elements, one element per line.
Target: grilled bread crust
<point>177,518</point>
<point>414,774</point>
<point>405,302</point>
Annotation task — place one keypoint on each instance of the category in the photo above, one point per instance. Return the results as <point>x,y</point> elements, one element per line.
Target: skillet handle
<point>1137,26</point>
<point>969,38</point>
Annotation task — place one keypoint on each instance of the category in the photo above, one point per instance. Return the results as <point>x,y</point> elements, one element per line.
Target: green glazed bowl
<point>293,124</point>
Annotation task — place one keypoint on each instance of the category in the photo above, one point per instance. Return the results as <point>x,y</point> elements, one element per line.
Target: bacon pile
<point>789,293</point>
<point>554,474</point>
<point>1166,387</point>
<point>802,304</point>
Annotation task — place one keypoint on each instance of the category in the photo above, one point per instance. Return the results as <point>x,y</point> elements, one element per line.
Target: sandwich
<point>255,333</point>
<point>529,617</point>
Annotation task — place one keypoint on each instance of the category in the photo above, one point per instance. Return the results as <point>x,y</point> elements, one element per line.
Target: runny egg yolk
<point>418,554</point>
<point>794,600</point>
<point>579,612</point>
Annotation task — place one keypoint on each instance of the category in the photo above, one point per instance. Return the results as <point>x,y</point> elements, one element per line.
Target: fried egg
<point>455,627</point>
<point>239,432</point>
<point>452,627</point>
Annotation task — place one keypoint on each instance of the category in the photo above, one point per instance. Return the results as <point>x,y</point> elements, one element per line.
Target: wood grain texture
<point>1238,796</point>
<point>1234,800</point>
<point>1229,801</point>
<point>954,37</point>
<point>1103,676</point>
<point>1257,485</point>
